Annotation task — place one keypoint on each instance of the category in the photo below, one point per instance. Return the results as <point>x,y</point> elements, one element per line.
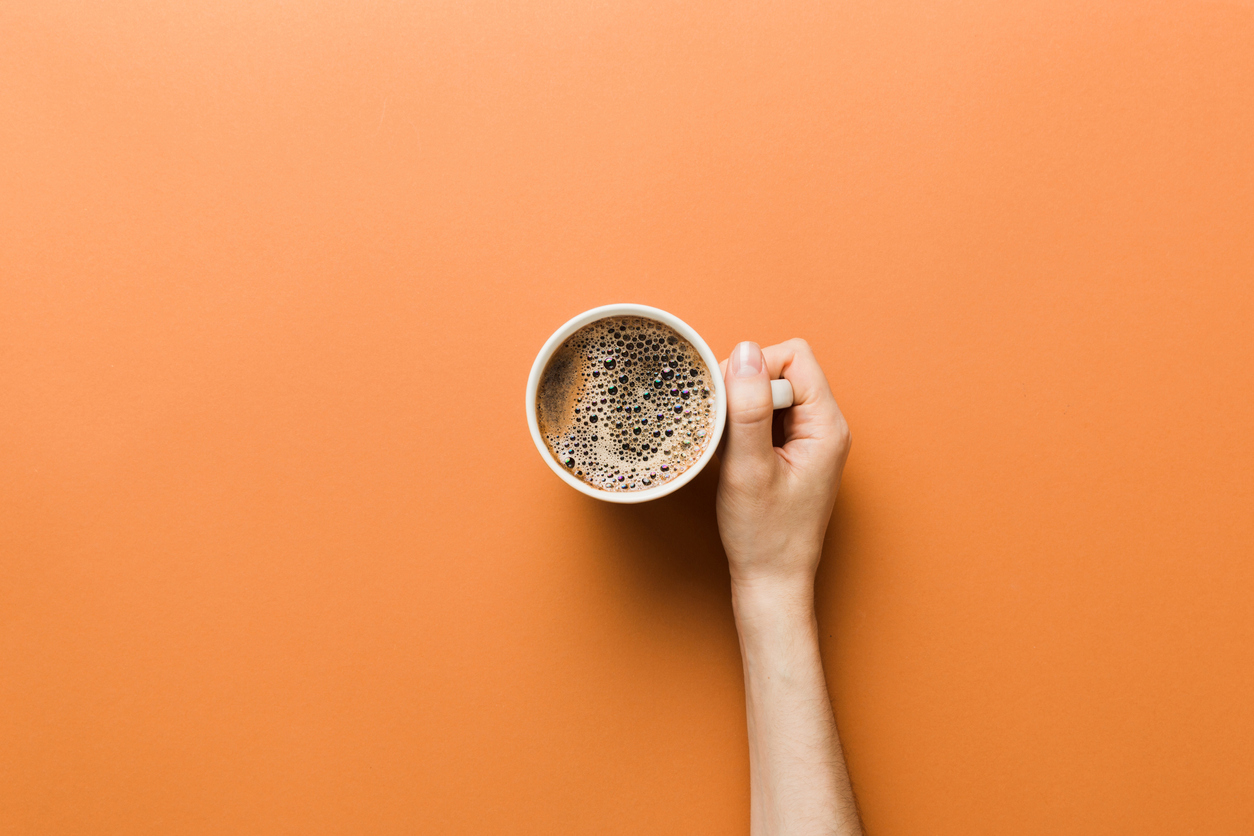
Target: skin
<point>774,504</point>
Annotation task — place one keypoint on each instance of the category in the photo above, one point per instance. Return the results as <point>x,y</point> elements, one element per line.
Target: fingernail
<point>746,360</point>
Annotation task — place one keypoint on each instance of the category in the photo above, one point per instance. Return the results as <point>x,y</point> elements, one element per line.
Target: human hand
<point>774,502</point>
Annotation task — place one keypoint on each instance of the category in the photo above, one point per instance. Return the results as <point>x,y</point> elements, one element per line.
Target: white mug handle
<point>781,394</point>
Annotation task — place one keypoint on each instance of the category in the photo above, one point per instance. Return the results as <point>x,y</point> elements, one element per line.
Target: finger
<point>814,411</point>
<point>795,361</point>
<point>749,411</point>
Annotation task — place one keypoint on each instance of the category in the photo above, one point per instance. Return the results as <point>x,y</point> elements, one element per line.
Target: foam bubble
<point>598,391</point>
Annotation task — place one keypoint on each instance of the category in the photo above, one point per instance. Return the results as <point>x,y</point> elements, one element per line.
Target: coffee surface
<point>626,404</point>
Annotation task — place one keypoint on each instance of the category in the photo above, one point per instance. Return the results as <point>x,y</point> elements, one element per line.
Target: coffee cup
<point>714,405</point>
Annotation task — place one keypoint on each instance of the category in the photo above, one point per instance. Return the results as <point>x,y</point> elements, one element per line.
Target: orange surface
<point>277,554</point>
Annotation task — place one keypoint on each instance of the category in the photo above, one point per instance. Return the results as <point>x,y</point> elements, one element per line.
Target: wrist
<point>772,600</point>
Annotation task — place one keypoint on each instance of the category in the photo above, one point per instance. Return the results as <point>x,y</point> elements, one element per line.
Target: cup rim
<point>687,332</point>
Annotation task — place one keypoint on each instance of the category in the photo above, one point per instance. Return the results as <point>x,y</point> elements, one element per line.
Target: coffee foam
<point>626,404</point>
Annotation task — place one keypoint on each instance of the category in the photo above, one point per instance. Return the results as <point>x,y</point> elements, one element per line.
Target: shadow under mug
<point>781,395</point>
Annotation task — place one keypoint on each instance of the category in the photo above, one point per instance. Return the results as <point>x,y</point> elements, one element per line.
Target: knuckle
<point>800,346</point>
<point>829,413</point>
<point>844,443</point>
<point>750,414</point>
<point>841,433</point>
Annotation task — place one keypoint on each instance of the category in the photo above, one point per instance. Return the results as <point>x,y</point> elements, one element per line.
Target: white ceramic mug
<point>781,395</point>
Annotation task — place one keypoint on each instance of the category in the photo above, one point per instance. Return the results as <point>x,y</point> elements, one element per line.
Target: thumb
<point>749,408</point>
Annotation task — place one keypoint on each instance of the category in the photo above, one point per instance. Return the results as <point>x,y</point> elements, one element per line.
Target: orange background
<point>279,556</point>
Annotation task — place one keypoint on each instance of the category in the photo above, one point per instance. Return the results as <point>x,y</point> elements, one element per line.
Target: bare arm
<point>773,508</point>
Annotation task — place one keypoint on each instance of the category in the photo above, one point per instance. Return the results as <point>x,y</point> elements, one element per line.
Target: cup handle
<point>781,394</point>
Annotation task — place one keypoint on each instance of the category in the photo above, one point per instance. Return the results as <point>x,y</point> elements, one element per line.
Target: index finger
<point>814,409</point>
<point>795,361</point>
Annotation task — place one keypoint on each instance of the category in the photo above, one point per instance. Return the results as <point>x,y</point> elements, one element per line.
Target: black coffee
<point>625,404</point>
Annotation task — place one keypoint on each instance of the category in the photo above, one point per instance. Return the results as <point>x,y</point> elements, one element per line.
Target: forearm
<point>797,770</point>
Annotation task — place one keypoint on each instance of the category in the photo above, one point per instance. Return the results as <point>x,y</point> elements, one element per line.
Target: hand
<point>774,502</point>
<point>773,507</point>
